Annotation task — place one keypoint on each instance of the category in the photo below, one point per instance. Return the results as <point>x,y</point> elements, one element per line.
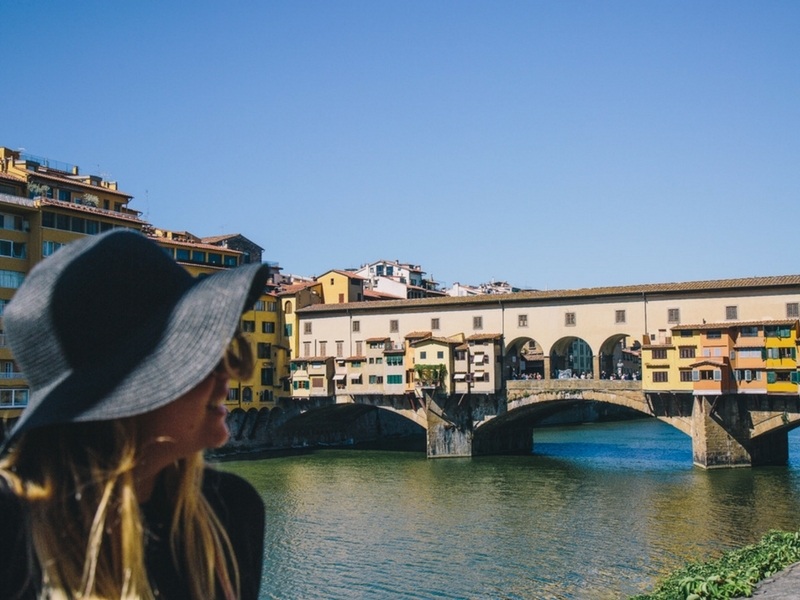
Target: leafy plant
<point>734,574</point>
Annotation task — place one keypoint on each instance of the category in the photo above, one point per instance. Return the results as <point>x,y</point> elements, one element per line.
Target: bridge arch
<point>620,355</point>
<point>571,356</point>
<point>524,359</point>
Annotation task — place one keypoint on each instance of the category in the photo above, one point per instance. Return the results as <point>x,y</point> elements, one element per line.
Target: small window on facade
<point>248,326</point>
<point>673,315</point>
<point>434,324</point>
<point>477,322</point>
<point>522,321</point>
<point>731,313</point>
<point>323,348</point>
<point>619,316</point>
<point>394,325</point>
<point>307,327</point>
<point>356,326</point>
<point>792,310</point>
<point>569,319</point>
<point>306,348</point>
<point>659,353</point>
<point>339,349</point>
<point>660,376</point>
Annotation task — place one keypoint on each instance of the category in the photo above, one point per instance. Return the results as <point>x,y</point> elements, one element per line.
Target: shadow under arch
<point>523,359</point>
<point>571,356</point>
<point>620,355</point>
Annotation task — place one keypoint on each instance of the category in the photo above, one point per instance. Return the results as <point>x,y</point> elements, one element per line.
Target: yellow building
<point>745,357</point>
<point>45,204</point>
<point>341,287</point>
<point>263,324</point>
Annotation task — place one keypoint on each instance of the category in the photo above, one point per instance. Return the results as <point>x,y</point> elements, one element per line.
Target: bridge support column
<point>548,374</point>
<point>721,436</point>
<point>449,428</point>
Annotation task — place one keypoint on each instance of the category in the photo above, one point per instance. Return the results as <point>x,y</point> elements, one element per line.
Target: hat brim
<point>195,336</point>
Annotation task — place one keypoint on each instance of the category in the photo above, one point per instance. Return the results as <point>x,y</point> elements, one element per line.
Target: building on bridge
<point>734,357</point>
<point>542,329</point>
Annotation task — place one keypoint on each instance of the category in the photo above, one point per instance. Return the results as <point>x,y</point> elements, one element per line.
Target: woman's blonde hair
<point>87,529</point>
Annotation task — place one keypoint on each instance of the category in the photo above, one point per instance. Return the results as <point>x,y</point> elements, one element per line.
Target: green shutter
<point>771,377</point>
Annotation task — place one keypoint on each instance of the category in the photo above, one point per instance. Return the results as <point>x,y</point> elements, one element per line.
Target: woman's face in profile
<point>191,423</point>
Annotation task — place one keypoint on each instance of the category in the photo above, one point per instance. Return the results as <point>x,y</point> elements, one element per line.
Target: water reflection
<point>597,512</point>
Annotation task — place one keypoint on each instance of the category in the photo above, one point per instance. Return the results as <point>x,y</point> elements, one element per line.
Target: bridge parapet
<point>519,388</point>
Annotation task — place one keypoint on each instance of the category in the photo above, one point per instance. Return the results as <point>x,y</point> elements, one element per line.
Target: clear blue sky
<point>554,144</point>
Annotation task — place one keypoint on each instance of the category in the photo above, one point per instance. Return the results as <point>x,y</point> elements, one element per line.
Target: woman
<point>103,489</point>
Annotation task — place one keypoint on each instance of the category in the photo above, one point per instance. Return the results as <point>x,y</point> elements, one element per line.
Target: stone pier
<point>721,435</point>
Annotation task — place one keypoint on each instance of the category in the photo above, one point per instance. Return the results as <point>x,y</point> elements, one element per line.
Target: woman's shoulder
<point>230,490</point>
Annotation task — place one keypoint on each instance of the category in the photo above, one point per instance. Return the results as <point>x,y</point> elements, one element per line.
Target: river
<point>598,511</point>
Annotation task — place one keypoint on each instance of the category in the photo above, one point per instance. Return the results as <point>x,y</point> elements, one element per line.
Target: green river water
<point>597,512</point>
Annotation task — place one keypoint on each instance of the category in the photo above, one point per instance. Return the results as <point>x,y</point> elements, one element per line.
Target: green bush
<point>734,574</point>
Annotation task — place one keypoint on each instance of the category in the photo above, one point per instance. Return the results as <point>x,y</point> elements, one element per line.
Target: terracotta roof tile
<point>779,281</point>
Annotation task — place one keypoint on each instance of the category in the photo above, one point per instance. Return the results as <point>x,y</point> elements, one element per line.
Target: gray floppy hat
<point>110,326</point>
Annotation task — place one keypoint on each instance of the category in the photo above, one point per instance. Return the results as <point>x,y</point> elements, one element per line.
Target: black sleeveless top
<point>235,502</point>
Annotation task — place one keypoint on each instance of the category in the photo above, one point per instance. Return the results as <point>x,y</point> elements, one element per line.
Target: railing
<point>11,375</point>
<point>573,384</point>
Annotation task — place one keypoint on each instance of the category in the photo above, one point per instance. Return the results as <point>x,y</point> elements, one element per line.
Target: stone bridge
<point>726,430</point>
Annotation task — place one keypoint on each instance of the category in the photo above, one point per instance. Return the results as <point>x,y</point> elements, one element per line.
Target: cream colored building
<point>604,318</point>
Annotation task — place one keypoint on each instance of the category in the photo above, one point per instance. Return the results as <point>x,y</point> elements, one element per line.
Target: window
<point>659,353</point>
<point>306,348</point>
<point>477,322</point>
<point>233,394</point>
<point>248,326</point>
<point>686,375</point>
<point>49,248</point>
<point>214,258</point>
<point>376,379</point>
<point>264,350</point>
<point>181,254</point>
<point>660,376</point>
<point>394,360</point>
<point>522,320</point>
<point>792,310</point>
<point>317,382</point>
<point>394,379</point>
<point>356,326</point>
<point>569,319</point>
<point>714,334</point>
<point>731,313</point>
<point>287,330</point>
<point>434,324</point>
<point>782,331</point>
<point>687,352</point>
<point>307,328</point>
<point>619,316</point>
<point>423,355</point>
<point>339,349</point>
<point>394,326</point>
<point>13,249</point>
<point>749,331</point>
<point>272,306</point>
<point>440,354</point>
<point>269,327</point>
<point>673,315</point>
<point>359,345</point>
<point>323,348</point>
